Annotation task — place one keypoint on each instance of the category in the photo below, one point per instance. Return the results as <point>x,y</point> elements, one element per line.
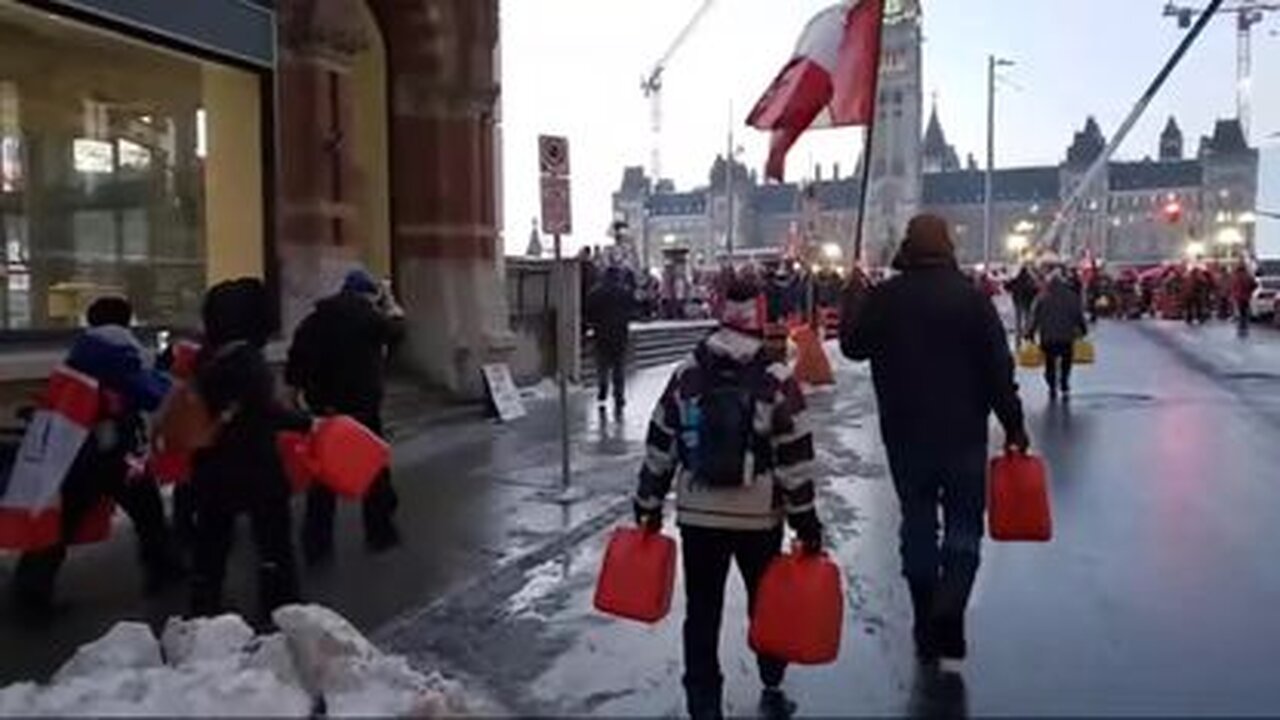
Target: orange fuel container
<point>347,456</point>
<point>638,575</point>
<point>799,614</point>
<point>1018,499</point>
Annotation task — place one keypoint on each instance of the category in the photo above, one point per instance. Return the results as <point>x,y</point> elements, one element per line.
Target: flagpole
<point>867,146</point>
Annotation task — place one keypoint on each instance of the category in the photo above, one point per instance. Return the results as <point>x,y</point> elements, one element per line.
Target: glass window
<point>124,168</point>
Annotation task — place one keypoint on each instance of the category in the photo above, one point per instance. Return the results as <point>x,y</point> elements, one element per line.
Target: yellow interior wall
<point>369,86</point>
<point>233,174</point>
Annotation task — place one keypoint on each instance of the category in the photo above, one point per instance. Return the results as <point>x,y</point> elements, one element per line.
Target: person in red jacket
<point>1242,286</point>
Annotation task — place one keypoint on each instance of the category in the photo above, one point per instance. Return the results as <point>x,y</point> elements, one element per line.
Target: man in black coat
<point>940,364</point>
<point>610,307</point>
<point>337,366</point>
<point>1058,320</point>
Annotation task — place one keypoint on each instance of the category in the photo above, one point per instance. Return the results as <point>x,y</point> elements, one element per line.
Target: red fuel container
<point>1018,499</point>
<point>638,575</point>
<point>295,458</point>
<point>799,614</point>
<point>96,525</point>
<point>347,456</point>
<point>169,466</point>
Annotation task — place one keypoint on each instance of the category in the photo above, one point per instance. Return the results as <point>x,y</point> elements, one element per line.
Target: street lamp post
<point>993,62</point>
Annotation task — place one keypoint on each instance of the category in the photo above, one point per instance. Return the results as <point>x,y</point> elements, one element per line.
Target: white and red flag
<point>29,501</point>
<point>829,82</point>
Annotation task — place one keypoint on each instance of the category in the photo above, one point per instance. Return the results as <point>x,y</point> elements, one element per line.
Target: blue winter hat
<point>360,281</point>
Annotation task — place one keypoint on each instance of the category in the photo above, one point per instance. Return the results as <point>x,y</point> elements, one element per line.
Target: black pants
<point>1058,359</point>
<point>378,508</point>
<point>93,479</point>
<point>1242,318</point>
<point>270,525</point>
<point>240,475</point>
<point>707,553</point>
<point>611,366</point>
<point>1021,319</point>
<point>956,482</point>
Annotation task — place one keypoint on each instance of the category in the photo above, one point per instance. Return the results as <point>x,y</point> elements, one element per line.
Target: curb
<point>396,630</point>
<point>405,633</point>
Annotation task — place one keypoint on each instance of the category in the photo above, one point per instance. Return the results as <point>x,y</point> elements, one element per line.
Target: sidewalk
<point>475,496</point>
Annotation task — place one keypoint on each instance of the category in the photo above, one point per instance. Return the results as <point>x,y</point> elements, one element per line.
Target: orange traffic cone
<point>812,365</point>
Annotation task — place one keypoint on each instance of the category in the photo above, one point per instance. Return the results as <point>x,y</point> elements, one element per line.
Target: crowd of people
<point>214,400</point>
<point>1195,292</point>
<point>791,288</point>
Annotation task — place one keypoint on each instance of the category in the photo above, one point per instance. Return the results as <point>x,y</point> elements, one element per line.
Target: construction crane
<point>1248,13</point>
<point>651,84</point>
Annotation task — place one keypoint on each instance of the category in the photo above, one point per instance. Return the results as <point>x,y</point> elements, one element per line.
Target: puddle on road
<point>1111,400</point>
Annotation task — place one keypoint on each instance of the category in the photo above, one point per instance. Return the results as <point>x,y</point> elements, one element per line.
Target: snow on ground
<point>318,664</point>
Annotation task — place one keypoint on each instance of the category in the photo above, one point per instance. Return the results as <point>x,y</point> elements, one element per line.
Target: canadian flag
<point>829,82</point>
<point>29,502</point>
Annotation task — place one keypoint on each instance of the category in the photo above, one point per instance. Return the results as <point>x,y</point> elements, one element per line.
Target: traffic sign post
<point>557,220</point>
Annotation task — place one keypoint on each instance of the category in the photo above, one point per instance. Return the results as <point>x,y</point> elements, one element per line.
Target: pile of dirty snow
<point>318,664</point>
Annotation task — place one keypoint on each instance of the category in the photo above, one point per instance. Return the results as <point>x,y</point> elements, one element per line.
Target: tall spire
<point>1171,141</point>
<point>938,155</point>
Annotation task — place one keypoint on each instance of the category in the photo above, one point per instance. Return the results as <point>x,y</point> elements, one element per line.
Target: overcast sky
<point>573,67</point>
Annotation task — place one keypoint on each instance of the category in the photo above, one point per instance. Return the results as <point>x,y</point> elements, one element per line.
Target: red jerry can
<point>799,614</point>
<point>638,575</point>
<point>1018,499</point>
<point>347,456</point>
<point>169,466</point>
<point>96,525</point>
<point>295,458</point>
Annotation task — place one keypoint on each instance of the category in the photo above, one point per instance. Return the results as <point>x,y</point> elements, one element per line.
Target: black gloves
<point>646,518</point>
<point>1017,439</point>
<point>808,530</point>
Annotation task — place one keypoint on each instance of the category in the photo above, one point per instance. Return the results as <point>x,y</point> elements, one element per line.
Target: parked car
<point>1262,306</point>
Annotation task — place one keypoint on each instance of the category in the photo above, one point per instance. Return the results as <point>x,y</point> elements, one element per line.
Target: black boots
<point>950,602</point>
<point>775,705</point>
<point>704,703</point>
<point>922,594</point>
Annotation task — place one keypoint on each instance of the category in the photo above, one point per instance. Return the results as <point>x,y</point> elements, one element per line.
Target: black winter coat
<point>241,471</point>
<point>338,356</point>
<point>609,310</point>
<point>1058,316</point>
<point>939,360</point>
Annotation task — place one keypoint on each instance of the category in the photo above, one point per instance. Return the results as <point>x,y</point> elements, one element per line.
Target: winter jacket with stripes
<point>780,479</point>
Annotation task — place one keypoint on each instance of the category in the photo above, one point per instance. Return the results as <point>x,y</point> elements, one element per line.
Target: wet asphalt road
<point>1158,594</point>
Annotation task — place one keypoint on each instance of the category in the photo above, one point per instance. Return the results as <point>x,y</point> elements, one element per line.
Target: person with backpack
<point>940,364</point>
<point>336,366</point>
<point>237,470</point>
<point>731,432</point>
<point>109,353</point>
